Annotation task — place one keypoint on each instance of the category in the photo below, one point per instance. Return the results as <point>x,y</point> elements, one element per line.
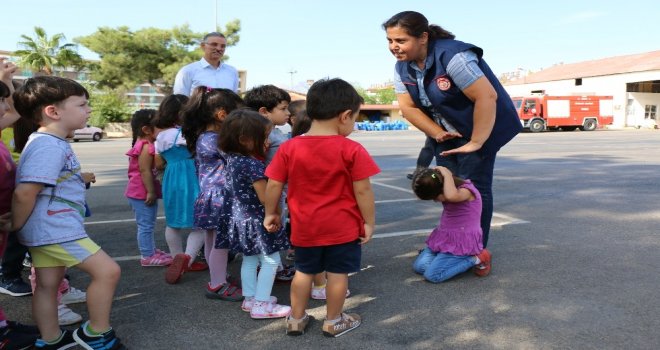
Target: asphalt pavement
<point>574,243</point>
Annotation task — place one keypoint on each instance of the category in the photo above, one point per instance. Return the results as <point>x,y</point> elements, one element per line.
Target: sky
<point>340,38</point>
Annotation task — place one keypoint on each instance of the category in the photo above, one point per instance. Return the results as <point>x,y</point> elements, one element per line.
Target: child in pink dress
<point>456,245</point>
<point>142,189</point>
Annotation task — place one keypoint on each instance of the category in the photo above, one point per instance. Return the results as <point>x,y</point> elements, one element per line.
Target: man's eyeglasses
<point>216,45</point>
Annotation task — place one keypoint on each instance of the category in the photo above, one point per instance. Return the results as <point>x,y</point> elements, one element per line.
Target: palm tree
<point>43,54</point>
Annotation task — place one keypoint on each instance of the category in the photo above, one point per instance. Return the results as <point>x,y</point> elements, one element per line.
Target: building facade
<point>632,80</point>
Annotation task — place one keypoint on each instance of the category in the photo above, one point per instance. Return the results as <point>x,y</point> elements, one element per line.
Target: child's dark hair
<point>39,92</point>
<point>200,111</point>
<point>303,122</point>
<point>140,119</point>
<point>328,98</point>
<point>169,111</point>
<point>268,96</point>
<point>4,90</point>
<point>244,126</point>
<point>429,183</point>
<point>23,127</point>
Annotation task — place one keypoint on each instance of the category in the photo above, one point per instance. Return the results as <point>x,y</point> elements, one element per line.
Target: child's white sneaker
<point>261,310</point>
<point>319,293</point>
<point>66,316</point>
<point>74,296</point>
<point>248,303</point>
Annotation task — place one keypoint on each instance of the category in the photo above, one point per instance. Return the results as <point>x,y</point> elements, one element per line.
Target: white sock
<point>334,321</point>
<point>174,241</point>
<point>195,243</point>
<point>477,260</point>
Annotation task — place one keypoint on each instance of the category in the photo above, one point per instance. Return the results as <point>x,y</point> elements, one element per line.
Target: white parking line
<point>383,235</point>
<point>392,187</point>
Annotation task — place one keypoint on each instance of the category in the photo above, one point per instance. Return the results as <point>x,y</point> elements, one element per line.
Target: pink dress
<point>459,231</point>
<point>135,188</point>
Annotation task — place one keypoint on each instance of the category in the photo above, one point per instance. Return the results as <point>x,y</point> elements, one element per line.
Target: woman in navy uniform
<point>445,89</point>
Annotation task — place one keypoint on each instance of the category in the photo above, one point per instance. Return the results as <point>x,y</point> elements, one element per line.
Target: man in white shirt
<point>208,71</point>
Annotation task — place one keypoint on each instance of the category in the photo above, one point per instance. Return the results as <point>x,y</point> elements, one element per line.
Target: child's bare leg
<point>44,301</point>
<point>301,288</point>
<point>335,291</point>
<point>105,275</point>
<point>319,279</point>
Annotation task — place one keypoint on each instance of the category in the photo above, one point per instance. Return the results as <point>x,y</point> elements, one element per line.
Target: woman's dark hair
<point>429,183</point>
<point>416,24</point>
<point>39,92</point>
<point>303,121</point>
<point>140,119</point>
<point>200,112</point>
<point>244,132</point>
<point>169,111</point>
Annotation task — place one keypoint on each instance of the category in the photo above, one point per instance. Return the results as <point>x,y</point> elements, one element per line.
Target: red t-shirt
<point>320,171</point>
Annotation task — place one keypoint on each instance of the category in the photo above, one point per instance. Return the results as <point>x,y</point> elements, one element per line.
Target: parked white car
<point>88,133</point>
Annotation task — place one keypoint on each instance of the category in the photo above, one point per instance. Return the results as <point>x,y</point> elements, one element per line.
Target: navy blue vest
<point>449,100</point>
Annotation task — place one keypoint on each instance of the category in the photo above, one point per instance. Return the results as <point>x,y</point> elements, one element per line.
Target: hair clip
<point>433,176</point>
<point>209,89</point>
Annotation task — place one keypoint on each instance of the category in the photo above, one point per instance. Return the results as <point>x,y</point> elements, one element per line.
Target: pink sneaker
<point>162,253</point>
<point>156,260</point>
<point>249,302</point>
<point>261,310</point>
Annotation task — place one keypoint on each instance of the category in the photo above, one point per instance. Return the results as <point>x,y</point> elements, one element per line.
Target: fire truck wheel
<point>536,125</point>
<point>589,125</point>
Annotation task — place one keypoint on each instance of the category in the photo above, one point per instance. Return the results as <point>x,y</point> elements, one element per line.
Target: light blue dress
<point>180,186</point>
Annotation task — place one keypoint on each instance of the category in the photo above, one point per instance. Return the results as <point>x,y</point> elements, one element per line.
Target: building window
<point>630,107</point>
<point>578,81</point>
<point>650,111</point>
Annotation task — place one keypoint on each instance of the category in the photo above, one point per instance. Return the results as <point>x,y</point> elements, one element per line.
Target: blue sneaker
<point>105,341</point>
<point>65,342</point>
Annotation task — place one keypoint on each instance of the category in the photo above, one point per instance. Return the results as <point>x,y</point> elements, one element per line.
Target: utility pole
<point>292,72</point>
<point>215,24</point>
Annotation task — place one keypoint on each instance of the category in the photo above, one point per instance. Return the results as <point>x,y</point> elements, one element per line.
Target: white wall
<point>614,85</point>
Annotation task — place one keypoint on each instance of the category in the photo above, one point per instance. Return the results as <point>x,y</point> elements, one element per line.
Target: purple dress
<point>459,231</point>
<point>241,228</point>
<point>210,164</point>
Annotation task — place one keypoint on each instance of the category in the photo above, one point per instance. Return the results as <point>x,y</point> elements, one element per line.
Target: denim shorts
<point>339,258</point>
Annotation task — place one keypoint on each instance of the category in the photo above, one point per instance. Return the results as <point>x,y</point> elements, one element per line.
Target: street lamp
<point>292,72</point>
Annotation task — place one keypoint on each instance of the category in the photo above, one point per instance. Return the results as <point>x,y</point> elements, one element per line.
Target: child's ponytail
<point>140,119</point>
<point>200,112</point>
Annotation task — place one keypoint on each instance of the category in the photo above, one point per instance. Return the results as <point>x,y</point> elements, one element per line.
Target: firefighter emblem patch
<point>443,83</point>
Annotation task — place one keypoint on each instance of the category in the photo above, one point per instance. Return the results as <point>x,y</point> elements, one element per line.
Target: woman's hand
<point>446,135</point>
<point>466,148</point>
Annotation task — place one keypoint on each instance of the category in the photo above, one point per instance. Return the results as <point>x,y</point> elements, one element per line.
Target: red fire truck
<point>543,112</point>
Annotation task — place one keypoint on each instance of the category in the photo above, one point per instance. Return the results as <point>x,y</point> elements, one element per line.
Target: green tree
<point>152,55</point>
<point>108,105</point>
<point>379,97</point>
<point>42,54</point>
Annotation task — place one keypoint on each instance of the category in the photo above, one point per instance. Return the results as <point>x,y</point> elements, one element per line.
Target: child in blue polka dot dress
<point>243,138</point>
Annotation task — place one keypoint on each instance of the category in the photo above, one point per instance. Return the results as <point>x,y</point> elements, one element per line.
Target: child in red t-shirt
<point>330,201</point>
